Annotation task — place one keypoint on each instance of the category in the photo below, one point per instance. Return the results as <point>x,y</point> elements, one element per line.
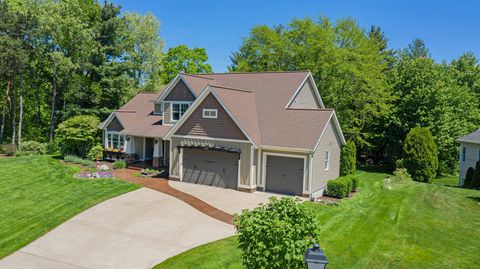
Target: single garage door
<point>284,175</point>
<point>212,168</point>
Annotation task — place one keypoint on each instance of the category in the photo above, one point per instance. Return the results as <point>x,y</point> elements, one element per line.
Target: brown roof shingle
<point>257,101</point>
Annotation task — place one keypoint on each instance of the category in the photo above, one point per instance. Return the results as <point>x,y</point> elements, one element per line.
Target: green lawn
<point>37,193</point>
<point>414,225</point>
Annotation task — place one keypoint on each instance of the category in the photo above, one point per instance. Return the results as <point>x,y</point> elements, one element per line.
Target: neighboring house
<point>469,153</point>
<point>264,131</point>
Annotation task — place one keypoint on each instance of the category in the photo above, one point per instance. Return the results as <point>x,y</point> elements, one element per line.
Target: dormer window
<point>178,109</point>
<point>157,109</point>
<point>210,113</point>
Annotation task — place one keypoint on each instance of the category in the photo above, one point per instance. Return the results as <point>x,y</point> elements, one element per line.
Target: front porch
<point>137,151</point>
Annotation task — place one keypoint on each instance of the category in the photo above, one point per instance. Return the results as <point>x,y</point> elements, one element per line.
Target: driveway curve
<point>135,230</point>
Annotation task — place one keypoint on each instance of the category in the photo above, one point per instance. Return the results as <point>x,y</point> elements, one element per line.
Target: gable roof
<point>137,117</point>
<point>471,138</point>
<point>257,102</point>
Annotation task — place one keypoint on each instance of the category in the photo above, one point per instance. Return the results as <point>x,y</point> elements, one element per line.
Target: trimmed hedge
<point>342,186</point>
<point>339,187</point>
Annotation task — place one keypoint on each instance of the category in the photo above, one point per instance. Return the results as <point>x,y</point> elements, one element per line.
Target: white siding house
<point>469,153</point>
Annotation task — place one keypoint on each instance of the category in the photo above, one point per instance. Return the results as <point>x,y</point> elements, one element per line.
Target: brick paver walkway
<point>161,185</point>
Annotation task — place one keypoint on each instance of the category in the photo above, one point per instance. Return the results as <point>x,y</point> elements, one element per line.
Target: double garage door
<point>219,169</point>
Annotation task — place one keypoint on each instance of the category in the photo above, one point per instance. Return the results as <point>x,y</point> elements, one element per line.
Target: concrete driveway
<point>228,200</point>
<point>135,230</point>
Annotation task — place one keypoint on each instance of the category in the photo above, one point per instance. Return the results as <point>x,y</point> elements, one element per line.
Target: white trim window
<point>158,108</point>
<point>464,153</point>
<point>115,140</point>
<point>327,160</point>
<point>178,110</point>
<point>210,113</point>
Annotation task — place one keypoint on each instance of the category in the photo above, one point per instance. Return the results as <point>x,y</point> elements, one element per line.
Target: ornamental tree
<point>421,156</point>
<point>276,235</point>
<point>78,134</point>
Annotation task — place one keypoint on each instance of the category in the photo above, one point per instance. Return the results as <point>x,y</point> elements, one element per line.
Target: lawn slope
<point>414,225</point>
<point>37,193</point>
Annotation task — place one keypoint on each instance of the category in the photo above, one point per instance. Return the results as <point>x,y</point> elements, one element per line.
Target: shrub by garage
<point>341,187</point>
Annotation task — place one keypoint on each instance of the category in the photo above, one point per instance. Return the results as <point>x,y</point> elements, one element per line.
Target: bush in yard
<point>476,176</point>
<point>348,159</point>
<point>34,147</point>
<point>421,156</point>
<point>468,181</point>
<point>95,153</point>
<point>399,164</point>
<point>355,183</point>
<point>78,134</point>
<point>53,148</point>
<point>119,164</point>
<point>401,174</point>
<point>9,149</point>
<point>276,235</point>
<point>339,187</point>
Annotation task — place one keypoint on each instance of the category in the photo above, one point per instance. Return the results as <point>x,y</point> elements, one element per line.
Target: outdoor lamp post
<point>315,258</point>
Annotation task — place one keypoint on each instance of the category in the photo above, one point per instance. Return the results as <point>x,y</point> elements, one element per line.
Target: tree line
<point>379,94</point>
<point>64,58</point>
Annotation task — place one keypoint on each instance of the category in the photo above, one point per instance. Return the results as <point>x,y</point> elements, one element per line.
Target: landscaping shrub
<point>53,148</point>
<point>348,159</point>
<point>399,164</point>
<point>401,174</point>
<point>78,134</point>
<point>119,164</point>
<point>421,156</point>
<point>339,187</point>
<point>95,153</point>
<point>276,235</point>
<point>77,160</point>
<point>355,183</point>
<point>9,149</point>
<point>468,181</point>
<point>34,147</point>
<point>476,176</point>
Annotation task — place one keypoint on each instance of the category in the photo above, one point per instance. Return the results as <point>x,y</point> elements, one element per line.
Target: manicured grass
<point>414,225</point>
<point>37,193</point>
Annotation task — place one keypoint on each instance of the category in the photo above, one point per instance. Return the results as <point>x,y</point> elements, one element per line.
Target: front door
<point>149,148</point>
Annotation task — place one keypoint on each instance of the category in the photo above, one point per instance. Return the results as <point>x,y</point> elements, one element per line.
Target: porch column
<point>129,149</point>
<point>157,152</point>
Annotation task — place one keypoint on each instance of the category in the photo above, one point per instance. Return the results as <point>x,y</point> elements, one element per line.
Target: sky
<point>449,28</point>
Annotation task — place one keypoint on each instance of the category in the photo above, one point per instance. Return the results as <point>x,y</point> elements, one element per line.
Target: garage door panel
<point>212,168</point>
<point>284,174</point>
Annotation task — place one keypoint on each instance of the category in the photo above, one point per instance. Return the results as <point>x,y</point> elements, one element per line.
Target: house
<point>266,131</point>
<point>469,153</point>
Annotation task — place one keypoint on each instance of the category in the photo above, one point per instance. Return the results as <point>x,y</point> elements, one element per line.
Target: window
<point>210,113</point>
<point>178,109</point>
<point>464,153</point>
<point>479,154</point>
<point>157,109</point>
<point>115,140</point>
<point>327,160</point>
